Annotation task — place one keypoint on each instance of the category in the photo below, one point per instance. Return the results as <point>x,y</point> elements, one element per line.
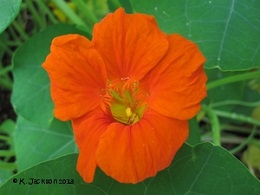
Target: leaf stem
<point>235,128</point>
<point>236,116</point>
<point>47,11</point>
<point>7,153</point>
<point>20,30</point>
<point>116,3</point>
<point>215,125</point>
<point>35,14</point>
<point>6,48</point>
<point>84,9</point>
<point>71,14</point>
<point>11,30</point>
<point>5,70</point>
<point>224,139</point>
<point>245,142</point>
<point>232,79</point>
<point>10,166</point>
<point>5,138</point>
<point>6,82</point>
<point>235,102</point>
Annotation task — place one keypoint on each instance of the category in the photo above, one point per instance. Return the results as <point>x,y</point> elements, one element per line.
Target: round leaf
<point>227,32</point>
<point>35,143</point>
<point>31,90</point>
<point>203,169</point>
<point>8,11</point>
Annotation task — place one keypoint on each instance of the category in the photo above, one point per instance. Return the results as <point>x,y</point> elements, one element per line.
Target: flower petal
<point>87,130</point>
<point>77,76</point>
<point>130,45</point>
<point>178,84</point>
<point>131,154</point>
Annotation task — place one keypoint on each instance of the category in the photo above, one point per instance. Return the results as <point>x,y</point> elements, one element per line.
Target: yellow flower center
<point>126,101</point>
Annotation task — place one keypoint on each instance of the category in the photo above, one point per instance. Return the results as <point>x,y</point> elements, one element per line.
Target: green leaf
<point>127,5</point>
<point>227,32</point>
<point>31,90</point>
<point>8,11</point>
<point>35,143</point>
<point>203,169</point>
<point>5,174</point>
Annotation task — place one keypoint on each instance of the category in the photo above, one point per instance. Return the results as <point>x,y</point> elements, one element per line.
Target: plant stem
<point>116,3</point>
<point>15,43</point>
<point>229,140</point>
<point>7,153</point>
<point>35,14</point>
<point>11,30</point>
<point>235,102</point>
<point>215,125</point>
<point>47,11</point>
<point>69,13</point>
<point>232,79</point>
<point>5,70</point>
<point>6,48</point>
<point>20,30</point>
<point>236,116</point>
<point>235,128</point>
<point>6,82</point>
<point>245,142</point>
<point>86,12</point>
<point>10,166</point>
<point>5,138</point>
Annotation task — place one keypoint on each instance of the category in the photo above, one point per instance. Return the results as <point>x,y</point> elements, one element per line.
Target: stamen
<point>124,100</point>
<point>128,112</point>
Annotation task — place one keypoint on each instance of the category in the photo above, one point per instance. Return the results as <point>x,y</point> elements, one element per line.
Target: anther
<point>128,112</point>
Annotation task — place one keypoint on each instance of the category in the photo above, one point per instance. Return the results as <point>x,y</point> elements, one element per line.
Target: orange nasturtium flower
<point>129,93</point>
